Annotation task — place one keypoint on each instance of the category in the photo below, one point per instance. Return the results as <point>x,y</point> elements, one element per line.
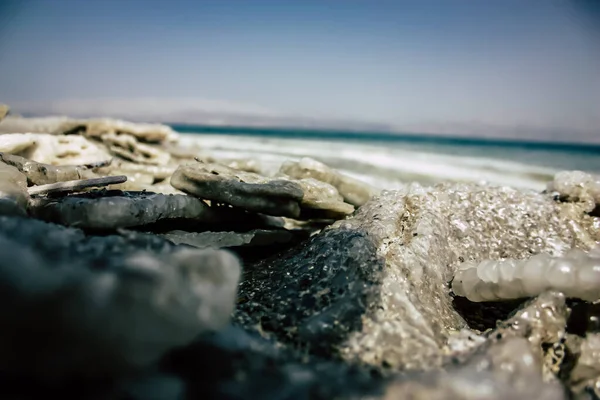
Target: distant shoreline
<point>334,135</point>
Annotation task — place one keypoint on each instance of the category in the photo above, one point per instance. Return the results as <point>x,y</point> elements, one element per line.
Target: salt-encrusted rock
<point>304,198</point>
<point>144,132</point>
<point>256,237</point>
<point>577,186</point>
<point>4,110</point>
<point>152,133</point>
<point>247,190</point>
<point>53,149</point>
<point>13,191</point>
<point>123,313</point>
<point>116,209</point>
<point>120,167</point>
<point>127,147</point>
<point>76,186</point>
<point>322,201</point>
<point>585,375</point>
<point>353,191</point>
<point>576,274</point>
<point>43,174</point>
<point>383,298</point>
<point>52,125</point>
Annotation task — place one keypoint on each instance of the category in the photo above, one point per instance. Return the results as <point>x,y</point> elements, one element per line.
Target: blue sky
<point>499,62</point>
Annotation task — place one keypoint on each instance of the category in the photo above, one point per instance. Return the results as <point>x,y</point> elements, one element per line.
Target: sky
<point>408,64</point>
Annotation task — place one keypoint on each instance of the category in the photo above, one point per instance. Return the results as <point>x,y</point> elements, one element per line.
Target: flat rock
<point>51,125</point>
<point>322,201</point>
<point>168,298</point>
<point>43,174</point>
<point>116,209</point>
<point>304,198</point>
<point>77,185</point>
<point>129,148</point>
<point>256,237</point>
<point>53,149</point>
<point>151,133</point>
<point>382,298</point>
<point>4,110</point>
<point>352,190</point>
<point>13,191</point>
<point>246,190</point>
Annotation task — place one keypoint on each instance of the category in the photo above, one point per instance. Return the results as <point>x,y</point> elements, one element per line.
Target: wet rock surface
<point>348,296</point>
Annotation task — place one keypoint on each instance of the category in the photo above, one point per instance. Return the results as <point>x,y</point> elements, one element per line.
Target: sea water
<point>391,160</point>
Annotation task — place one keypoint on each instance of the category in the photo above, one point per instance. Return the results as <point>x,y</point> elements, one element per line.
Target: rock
<point>577,186</point>
<point>86,309</point>
<point>585,375</point>
<point>4,110</point>
<point>51,125</point>
<point>120,167</point>
<point>127,147</point>
<point>17,143</point>
<point>95,128</point>
<point>322,201</point>
<point>246,190</point>
<point>383,297</point>
<point>116,209</point>
<point>13,191</point>
<point>150,133</point>
<point>305,198</point>
<point>353,191</point>
<point>256,237</point>
<point>43,174</point>
<point>77,185</point>
<point>53,149</point>
<point>235,364</point>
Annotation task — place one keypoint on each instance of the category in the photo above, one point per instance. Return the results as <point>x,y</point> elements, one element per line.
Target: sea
<point>389,161</point>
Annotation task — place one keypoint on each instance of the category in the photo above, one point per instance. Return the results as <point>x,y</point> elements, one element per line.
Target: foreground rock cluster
<point>136,269</point>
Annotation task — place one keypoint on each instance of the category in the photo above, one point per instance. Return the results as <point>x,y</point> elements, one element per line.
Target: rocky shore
<point>136,268</point>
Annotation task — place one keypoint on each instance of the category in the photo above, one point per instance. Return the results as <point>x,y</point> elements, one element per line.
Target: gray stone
<point>246,190</point>
<point>256,237</point>
<point>76,186</point>
<point>43,174</point>
<point>13,191</point>
<point>116,209</point>
<point>352,190</point>
<point>123,311</point>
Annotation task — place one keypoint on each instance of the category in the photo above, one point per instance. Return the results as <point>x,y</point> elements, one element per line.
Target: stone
<point>144,132</point>
<point>304,198</point>
<point>352,190</point>
<point>117,209</point>
<point>577,186</point>
<point>382,298</point>
<point>13,191</point>
<point>51,125</point>
<point>4,110</point>
<point>246,190</point>
<point>43,174</point>
<point>121,167</point>
<point>127,147</point>
<point>87,311</point>
<point>76,186</point>
<point>322,201</point>
<point>585,375</point>
<point>53,149</point>
<point>256,237</point>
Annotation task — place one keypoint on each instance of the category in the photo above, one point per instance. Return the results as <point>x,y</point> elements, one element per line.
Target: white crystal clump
<point>576,274</point>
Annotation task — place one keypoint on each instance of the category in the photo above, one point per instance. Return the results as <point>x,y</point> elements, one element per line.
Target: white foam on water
<point>385,166</point>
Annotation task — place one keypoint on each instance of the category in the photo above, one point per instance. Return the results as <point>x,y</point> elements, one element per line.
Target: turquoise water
<point>553,155</point>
